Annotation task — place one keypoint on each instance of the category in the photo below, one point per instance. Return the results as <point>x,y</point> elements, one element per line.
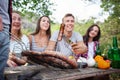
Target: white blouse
<point>18,47</point>
<point>91,52</point>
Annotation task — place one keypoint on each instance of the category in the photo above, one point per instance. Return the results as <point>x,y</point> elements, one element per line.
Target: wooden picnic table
<point>39,72</point>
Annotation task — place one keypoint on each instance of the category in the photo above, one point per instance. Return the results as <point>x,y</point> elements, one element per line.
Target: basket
<point>52,58</point>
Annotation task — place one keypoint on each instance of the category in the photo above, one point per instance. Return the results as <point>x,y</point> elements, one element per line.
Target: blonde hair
<point>19,31</point>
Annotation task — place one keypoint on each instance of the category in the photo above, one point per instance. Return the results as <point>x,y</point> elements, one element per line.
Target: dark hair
<point>67,15</point>
<point>86,36</point>
<point>38,28</point>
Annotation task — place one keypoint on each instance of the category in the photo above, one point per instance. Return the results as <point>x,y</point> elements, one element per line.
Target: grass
<point>115,76</point>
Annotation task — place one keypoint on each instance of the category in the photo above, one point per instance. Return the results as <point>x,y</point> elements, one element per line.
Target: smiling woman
<point>18,42</point>
<point>91,39</point>
<point>40,38</point>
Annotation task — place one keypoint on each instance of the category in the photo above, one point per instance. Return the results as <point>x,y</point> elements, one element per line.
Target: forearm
<point>1,24</point>
<point>51,46</point>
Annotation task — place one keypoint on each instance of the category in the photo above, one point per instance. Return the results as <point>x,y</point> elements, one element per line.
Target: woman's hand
<point>19,61</point>
<point>11,63</point>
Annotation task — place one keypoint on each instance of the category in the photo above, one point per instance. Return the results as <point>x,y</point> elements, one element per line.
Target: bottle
<point>115,49</point>
<point>116,54</point>
<point>98,51</point>
<point>61,31</point>
<point>109,53</point>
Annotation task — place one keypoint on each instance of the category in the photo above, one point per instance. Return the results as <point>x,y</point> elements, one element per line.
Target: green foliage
<point>113,21</point>
<point>55,27</point>
<point>33,7</point>
<point>115,76</point>
<point>82,27</point>
<point>112,6</point>
<point>27,31</point>
<point>113,27</point>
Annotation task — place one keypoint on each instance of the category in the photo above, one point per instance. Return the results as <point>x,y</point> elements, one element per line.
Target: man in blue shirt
<point>4,35</point>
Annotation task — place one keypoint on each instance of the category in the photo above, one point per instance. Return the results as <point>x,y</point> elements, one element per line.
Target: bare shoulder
<point>29,37</point>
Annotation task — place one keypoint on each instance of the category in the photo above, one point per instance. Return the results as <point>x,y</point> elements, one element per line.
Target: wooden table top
<point>51,73</point>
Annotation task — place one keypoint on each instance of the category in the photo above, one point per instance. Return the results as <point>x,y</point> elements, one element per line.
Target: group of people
<point>42,39</point>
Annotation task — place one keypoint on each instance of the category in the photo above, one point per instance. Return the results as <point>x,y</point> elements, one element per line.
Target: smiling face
<point>93,32</point>
<point>44,23</point>
<point>69,23</point>
<point>16,21</point>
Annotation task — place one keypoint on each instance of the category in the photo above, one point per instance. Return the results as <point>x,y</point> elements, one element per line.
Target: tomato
<point>108,61</point>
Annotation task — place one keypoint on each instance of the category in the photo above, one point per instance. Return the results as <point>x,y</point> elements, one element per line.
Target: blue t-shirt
<point>4,11</point>
<point>63,46</point>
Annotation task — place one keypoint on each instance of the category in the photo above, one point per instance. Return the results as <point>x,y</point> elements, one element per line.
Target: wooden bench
<point>38,72</point>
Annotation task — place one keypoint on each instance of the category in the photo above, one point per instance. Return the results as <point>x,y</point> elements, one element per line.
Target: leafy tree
<point>33,7</point>
<point>112,24</point>
<point>113,21</point>
<point>82,26</point>
<point>112,6</point>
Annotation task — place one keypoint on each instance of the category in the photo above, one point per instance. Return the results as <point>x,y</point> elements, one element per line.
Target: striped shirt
<point>34,46</point>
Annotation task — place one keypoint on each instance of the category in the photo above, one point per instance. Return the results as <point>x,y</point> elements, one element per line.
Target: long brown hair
<point>38,28</point>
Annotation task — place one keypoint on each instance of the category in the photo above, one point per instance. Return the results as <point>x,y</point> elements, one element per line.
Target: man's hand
<point>1,24</point>
<point>79,48</point>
